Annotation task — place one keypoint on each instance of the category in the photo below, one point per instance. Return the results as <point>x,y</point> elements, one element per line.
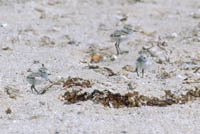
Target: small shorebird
<point>121,35</point>
<point>141,64</point>
<point>36,78</point>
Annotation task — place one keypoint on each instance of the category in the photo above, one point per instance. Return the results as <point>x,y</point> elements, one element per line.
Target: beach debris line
<point>117,100</point>
<point>76,81</point>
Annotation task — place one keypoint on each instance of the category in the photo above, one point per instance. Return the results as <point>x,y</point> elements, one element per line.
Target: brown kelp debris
<point>116,100</point>
<point>72,97</point>
<point>8,111</point>
<point>71,82</point>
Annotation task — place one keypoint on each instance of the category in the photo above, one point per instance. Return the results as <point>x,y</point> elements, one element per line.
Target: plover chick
<point>36,78</point>
<point>141,64</point>
<point>121,35</point>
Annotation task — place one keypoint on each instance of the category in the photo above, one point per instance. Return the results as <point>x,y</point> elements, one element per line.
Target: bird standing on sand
<point>141,64</point>
<point>36,78</point>
<point>121,35</point>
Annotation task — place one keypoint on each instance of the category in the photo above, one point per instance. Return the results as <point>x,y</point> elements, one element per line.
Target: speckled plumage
<point>120,35</point>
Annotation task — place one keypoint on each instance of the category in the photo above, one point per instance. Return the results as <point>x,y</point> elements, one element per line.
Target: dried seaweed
<point>71,82</point>
<point>72,97</point>
<point>116,100</point>
<point>8,111</point>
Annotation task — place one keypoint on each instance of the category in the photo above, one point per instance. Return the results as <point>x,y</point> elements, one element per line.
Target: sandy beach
<point>72,39</point>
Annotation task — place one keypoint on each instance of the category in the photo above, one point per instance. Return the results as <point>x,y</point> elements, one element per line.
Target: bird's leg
<point>33,87</point>
<point>50,81</point>
<point>117,47</point>
<point>137,71</point>
<point>142,73</point>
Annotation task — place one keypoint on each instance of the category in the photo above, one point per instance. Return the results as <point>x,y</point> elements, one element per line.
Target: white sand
<point>40,31</point>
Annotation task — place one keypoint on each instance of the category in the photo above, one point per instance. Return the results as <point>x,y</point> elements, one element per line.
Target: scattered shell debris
<point>95,54</point>
<point>186,81</point>
<point>192,36</point>
<point>129,68</point>
<point>12,92</point>
<point>102,70</point>
<point>47,41</point>
<point>132,85</point>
